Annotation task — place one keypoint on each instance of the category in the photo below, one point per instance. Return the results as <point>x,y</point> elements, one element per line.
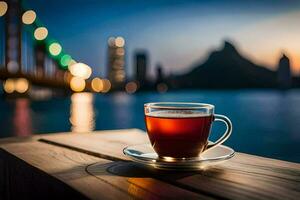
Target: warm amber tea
<point>178,134</point>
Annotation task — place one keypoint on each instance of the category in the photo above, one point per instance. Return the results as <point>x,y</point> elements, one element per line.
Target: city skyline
<point>225,68</point>
<point>185,30</point>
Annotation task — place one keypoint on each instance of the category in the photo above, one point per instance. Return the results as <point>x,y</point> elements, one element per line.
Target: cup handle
<point>227,133</point>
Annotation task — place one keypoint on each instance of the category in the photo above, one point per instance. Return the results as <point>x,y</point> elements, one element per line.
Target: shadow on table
<point>135,170</point>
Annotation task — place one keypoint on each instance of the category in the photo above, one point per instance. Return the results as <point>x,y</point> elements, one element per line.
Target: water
<point>266,122</point>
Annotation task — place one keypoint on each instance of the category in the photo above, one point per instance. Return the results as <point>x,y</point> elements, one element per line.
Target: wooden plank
<point>27,138</point>
<point>104,144</point>
<point>44,161</point>
<point>19,180</point>
<point>242,177</point>
<point>139,181</point>
<point>17,139</point>
<point>63,164</point>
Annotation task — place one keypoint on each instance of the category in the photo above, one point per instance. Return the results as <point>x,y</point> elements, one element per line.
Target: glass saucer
<point>145,154</point>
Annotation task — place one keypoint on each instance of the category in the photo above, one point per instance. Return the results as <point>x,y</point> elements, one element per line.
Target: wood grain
<point>104,144</point>
<point>139,181</point>
<point>43,164</point>
<point>242,177</point>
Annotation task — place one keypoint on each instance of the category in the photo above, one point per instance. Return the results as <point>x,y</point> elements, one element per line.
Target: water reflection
<point>122,109</point>
<point>266,122</point>
<point>82,115</point>
<point>22,118</point>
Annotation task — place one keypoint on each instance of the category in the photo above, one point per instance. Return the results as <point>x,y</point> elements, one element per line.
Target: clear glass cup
<point>181,130</point>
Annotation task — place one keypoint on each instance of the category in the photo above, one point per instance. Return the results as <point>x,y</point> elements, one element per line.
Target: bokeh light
<point>65,60</point>
<point>3,8</point>
<point>40,33</point>
<point>55,49</point>
<point>111,41</point>
<point>77,84</point>
<point>80,70</point>
<point>106,85</point>
<point>21,85</point>
<point>12,66</point>
<point>162,88</point>
<point>72,62</point>
<point>28,17</point>
<point>131,87</point>
<point>9,86</point>
<point>120,52</point>
<point>97,84</point>
<point>119,42</point>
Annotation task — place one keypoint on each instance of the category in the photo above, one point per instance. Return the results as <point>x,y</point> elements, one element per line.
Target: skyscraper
<point>116,62</point>
<point>159,74</point>
<point>141,62</point>
<point>284,73</point>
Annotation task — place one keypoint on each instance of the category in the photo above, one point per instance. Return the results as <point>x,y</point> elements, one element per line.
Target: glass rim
<point>172,105</point>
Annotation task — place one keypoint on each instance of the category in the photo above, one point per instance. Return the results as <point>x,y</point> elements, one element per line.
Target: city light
<point>3,8</point>
<point>162,88</point>
<point>106,85</point>
<point>119,42</point>
<point>77,84</point>
<point>111,41</point>
<point>12,66</point>
<point>120,52</point>
<point>80,70</point>
<point>97,84</point>
<point>119,76</point>
<point>28,17</point>
<point>116,62</point>
<point>9,86</point>
<point>21,85</point>
<point>65,60</point>
<point>40,33</point>
<point>55,49</point>
<point>131,87</point>
<point>72,62</point>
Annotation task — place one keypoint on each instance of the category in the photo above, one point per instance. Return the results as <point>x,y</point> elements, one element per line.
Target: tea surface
<point>178,134</point>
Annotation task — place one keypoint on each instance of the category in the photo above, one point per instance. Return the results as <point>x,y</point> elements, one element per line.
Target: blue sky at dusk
<point>175,33</point>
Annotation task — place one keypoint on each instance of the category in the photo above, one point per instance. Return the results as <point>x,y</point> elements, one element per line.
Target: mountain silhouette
<point>226,68</point>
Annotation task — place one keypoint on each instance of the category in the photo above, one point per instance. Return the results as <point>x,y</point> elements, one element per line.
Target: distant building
<point>159,74</point>
<point>284,72</point>
<point>141,62</point>
<point>116,62</point>
<point>160,83</point>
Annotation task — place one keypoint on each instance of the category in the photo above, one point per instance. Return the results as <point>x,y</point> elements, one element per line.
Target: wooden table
<point>92,165</point>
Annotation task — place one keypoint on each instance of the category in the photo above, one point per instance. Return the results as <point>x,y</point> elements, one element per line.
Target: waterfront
<point>266,122</point>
